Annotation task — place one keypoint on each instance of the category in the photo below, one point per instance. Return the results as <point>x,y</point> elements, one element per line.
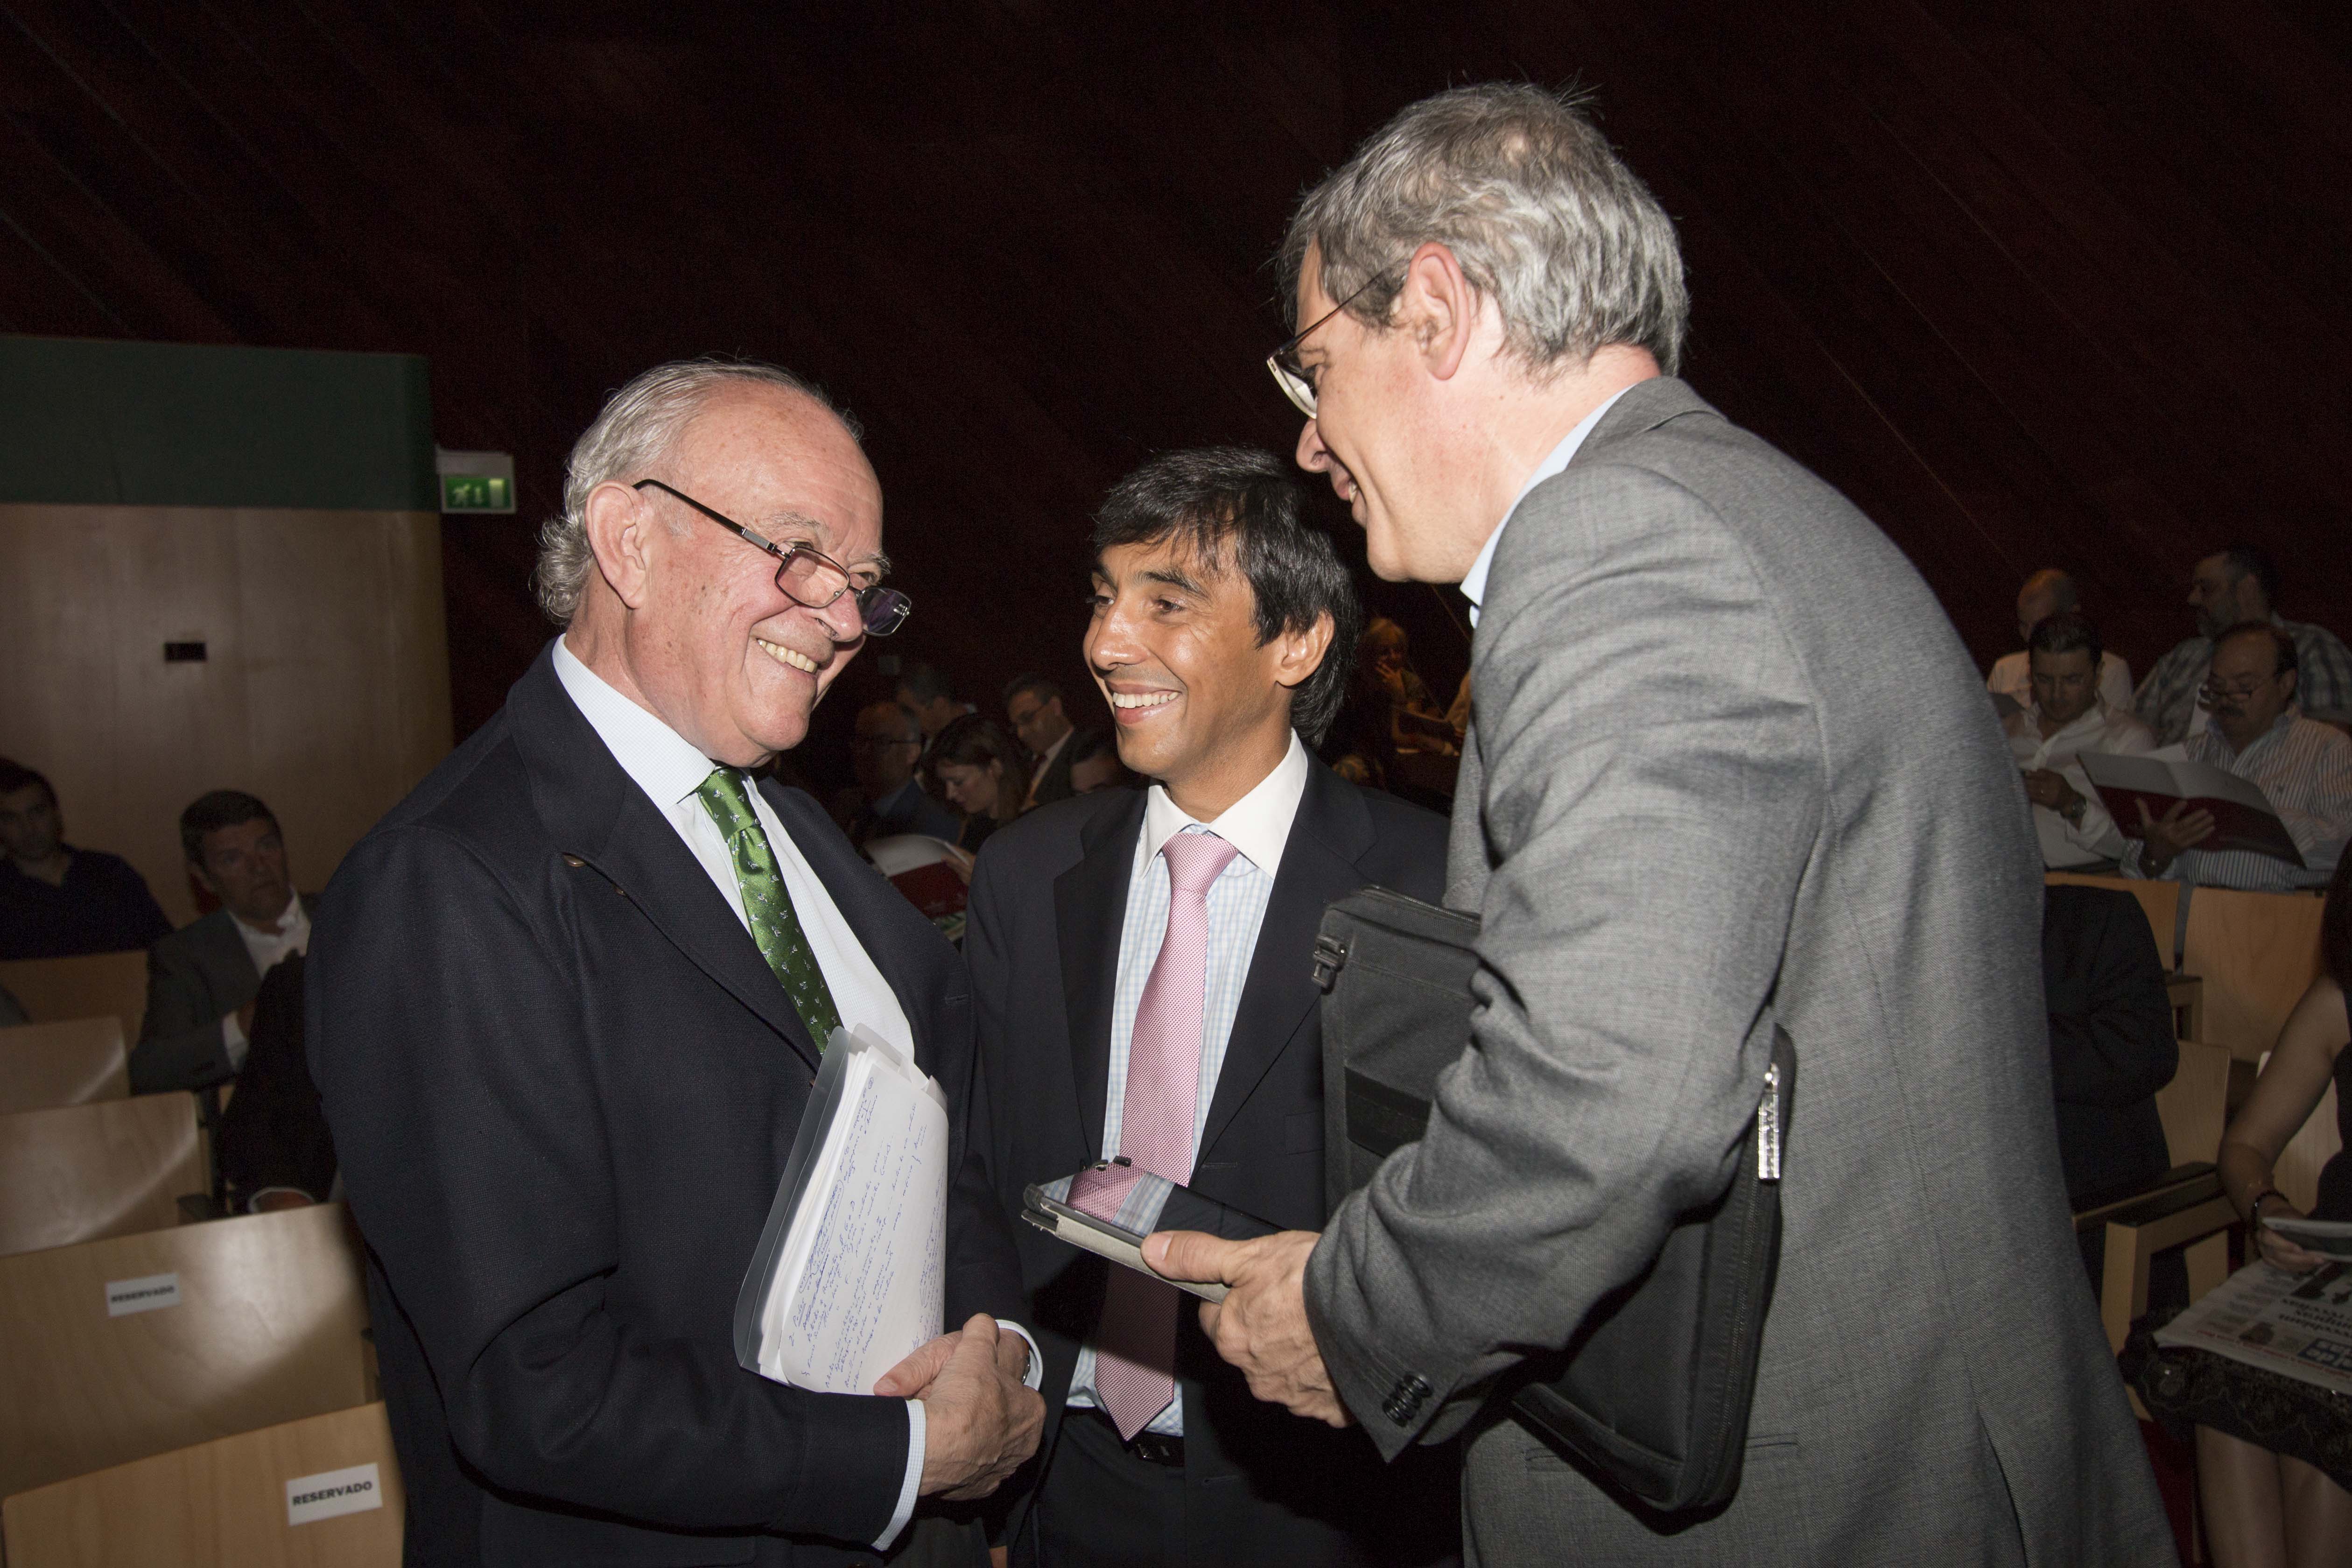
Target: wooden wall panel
<point>2036,281</point>
<point>324,692</point>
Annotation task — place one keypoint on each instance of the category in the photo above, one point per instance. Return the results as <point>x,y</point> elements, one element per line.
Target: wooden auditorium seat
<point>229,1503</point>
<point>96,984</point>
<point>2256,953</point>
<point>43,1066</point>
<point>120,1349</point>
<point>2184,1208</point>
<point>114,1167</point>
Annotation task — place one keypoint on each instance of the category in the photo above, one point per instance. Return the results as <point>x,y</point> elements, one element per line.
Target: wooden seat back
<point>114,1167</point>
<point>2257,953</point>
<point>137,1345</point>
<point>2160,902</point>
<point>228,1503</point>
<point>92,986</point>
<point>2195,1105</point>
<point>43,1066</point>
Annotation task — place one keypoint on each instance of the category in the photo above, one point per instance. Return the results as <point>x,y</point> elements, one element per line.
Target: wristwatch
<point>2255,1206</point>
<point>2072,812</point>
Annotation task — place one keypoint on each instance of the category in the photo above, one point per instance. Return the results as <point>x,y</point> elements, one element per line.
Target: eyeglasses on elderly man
<point>809,576</point>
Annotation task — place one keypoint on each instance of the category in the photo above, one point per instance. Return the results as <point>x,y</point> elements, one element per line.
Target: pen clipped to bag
<point>1123,1204</point>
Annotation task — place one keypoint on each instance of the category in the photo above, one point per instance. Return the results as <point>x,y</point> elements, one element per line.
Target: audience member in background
<point>2258,732</point>
<point>202,979</point>
<point>2048,592</point>
<point>983,773</point>
<point>275,1149</point>
<point>2263,1507</point>
<point>883,753</point>
<point>56,900</point>
<point>2066,714</point>
<point>1034,704</point>
<point>2237,585</point>
<point>924,692</point>
<point>1415,722</point>
<point>1095,764</point>
<point>2111,1048</point>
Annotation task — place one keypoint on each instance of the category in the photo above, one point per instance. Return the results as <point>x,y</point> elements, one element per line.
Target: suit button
<point>1405,1400</point>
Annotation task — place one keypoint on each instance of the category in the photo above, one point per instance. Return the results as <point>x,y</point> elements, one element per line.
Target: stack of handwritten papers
<point>850,1273</point>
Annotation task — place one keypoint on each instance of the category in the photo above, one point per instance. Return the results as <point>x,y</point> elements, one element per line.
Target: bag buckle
<point>1330,957</point>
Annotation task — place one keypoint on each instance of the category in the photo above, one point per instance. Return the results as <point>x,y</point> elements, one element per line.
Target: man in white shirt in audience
<point>2257,731</point>
<point>202,979</point>
<point>2066,714</point>
<point>2047,593</point>
<point>2230,587</point>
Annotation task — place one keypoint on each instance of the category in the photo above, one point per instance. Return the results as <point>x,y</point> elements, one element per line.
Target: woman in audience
<point>983,774</point>
<point>2263,1508</point>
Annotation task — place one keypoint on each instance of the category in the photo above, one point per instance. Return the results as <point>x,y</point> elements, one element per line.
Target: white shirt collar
<point>1474,586</point>
<point>1258,825</point>
<point>658,757</point>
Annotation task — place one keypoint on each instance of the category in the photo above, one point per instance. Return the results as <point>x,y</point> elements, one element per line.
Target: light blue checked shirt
<point>1258,825</point>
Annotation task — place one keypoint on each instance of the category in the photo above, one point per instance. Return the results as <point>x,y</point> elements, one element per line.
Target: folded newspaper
<point>2296,1324</point>
<point>850,1273</point>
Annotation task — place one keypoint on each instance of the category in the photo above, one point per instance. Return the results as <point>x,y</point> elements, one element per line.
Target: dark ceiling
<point>2040,283</point>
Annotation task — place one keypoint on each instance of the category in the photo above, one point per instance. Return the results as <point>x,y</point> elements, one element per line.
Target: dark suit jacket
<point>1054,783</point>
<point>2111,1045</point>
<point>273,1133</point>
<point>1048,898</point>
<point>195,977</point>
<point>563,1085</point>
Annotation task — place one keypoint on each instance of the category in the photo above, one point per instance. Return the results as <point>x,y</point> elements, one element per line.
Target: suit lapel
<point>1089,908</point>
<point>1330,833</point>
<point>865,900</point>
<point>650,866</point>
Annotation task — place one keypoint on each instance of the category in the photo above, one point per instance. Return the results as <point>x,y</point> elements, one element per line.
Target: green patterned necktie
<point>774,926</point>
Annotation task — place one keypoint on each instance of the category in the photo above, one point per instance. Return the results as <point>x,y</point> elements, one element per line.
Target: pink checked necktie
<point>1135,1346</point>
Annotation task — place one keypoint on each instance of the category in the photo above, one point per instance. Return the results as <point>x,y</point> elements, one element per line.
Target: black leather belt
<point>1152,1448</point>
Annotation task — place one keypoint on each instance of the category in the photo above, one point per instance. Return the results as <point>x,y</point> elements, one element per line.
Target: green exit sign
<point>477,492</point>
<point>475,482</point>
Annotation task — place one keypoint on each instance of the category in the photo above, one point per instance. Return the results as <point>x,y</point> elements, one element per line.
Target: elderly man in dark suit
<point>203,978</point>
<point>1220,636</point>
<point>566,1005</point>
<point>1694,808</point>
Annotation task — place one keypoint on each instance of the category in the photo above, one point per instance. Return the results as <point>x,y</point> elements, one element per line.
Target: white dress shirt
<point>1474,586</point>
<point>2012,676</point>
<point>669,770</point>
<point>2304,769</point>
<point>2102,728</point>
<point>1258,825</point>
<point>290,933</point>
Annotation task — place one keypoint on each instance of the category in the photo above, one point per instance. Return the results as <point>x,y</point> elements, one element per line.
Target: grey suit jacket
<point>195,977</point>
<point>1729,766</point>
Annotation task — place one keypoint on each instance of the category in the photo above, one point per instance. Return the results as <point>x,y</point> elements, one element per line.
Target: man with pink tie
<point>1142,984</point>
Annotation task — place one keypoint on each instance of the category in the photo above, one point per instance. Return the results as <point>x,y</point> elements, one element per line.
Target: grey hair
<point>638,426</point>
<point>1541,215</point>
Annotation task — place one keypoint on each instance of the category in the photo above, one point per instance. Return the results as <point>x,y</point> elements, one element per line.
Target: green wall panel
<point>94,422</point>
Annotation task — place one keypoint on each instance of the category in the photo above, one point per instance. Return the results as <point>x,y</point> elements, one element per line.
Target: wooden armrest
<point>2096,1208</point>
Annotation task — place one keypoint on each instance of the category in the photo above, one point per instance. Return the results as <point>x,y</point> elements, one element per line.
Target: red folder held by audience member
<point>2242,815</point>
<point>916,865</point>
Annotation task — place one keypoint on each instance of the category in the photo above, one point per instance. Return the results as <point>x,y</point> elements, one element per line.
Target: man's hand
<point>2166,835</point>
<point>2048,788</point>
<point>1261,1326</point>
<point>979,1423</point>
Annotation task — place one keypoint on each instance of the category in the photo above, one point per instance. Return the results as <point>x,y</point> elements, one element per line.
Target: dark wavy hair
<point>1239,507</point>
<point>974,742</point>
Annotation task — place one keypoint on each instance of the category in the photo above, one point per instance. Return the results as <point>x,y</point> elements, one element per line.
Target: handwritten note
<point>860,1280</point>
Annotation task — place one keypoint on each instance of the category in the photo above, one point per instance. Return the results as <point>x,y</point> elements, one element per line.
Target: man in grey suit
<point>202,979</point>
<point>1728,768</point>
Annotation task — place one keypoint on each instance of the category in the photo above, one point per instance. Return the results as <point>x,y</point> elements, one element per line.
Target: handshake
<point>980,1420</point>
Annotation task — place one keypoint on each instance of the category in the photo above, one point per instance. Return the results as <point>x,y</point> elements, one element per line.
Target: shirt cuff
<point>907,1489</point>
<point>233,1042</point>
<point>1033,1376</point>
